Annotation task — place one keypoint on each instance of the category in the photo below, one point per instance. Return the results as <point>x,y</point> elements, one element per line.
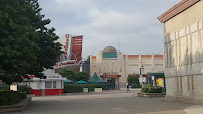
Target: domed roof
<point>109,49</point>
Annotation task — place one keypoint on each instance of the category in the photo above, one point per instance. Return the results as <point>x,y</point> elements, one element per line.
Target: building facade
<point>72,56</point>
<point>183,42</point>
<point>114,67</point>
<point>86,65</point>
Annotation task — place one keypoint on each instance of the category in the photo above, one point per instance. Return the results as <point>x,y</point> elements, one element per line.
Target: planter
<point>150,95</point>
<point>17,107</point>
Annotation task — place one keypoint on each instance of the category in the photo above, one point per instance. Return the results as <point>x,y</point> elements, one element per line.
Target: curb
<point>150,95</point>
<point>17,107</point>
<point>92,93</point>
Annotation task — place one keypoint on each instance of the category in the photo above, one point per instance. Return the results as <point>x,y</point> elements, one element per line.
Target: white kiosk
<point>52,85</point>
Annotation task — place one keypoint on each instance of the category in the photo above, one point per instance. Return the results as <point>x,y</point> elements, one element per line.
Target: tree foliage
<point>26,45</point>
<point>74,75</point>
<point>133,79</point>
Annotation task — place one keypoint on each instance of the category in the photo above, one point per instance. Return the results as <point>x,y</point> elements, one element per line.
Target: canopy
<point>95,79</point>
<point>68,81</point>
<point>81,82</point>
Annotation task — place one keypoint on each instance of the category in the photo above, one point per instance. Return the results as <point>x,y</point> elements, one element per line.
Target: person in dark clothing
<point>128,90</point>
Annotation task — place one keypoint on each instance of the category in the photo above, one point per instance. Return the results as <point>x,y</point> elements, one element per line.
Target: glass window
<point>54,84</point>
<point>48,84</point>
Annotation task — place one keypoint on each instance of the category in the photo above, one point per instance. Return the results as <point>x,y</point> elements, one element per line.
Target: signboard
<point>85,90</point>
<point>76,53</point>
<point>66,42</point>
<point>160,82</point>
<point>141,71</point>
<point>13,87</point>
<point>152,77</point>
<point>142,79</point>
<point>65,63</point>
<point>97,90</point>
<point>67,46</point>
<point>53,75</point>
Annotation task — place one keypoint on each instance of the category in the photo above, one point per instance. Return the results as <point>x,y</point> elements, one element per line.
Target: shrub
<point>11,97</point>
<point>21,88</point>
<point>74,88</point>
<point>4,87</point>
<point>133,79</point>
<point>75,75</point>
<point>152,89</point>
<point>24,88</point>
<point>136,86</point>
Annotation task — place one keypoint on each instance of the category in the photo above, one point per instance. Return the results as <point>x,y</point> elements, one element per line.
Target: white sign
<point>142,79</point>
<point>141,71</point>
<point>65,63</point>
<point>152,77</point>
<point>85,90</point>
<point>67,46</point>
<point>53,75</point>
<point>97,90</point>
<point>13,87</point>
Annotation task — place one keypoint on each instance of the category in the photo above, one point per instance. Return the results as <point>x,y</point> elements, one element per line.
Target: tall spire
<point>118,43</point>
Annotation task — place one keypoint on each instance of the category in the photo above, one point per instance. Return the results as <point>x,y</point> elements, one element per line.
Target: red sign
<point>77,48</point>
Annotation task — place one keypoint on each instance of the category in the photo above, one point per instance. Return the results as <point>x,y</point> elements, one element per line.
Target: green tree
<point>133,79</point>
<point>69,74</point>
<point>82,76</point>
<point>26,45</point>
<point>74,75</point>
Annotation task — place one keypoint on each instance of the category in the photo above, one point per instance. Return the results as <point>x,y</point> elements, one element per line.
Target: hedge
<point>136,86</point>
<point>74,88</point>
<point>4,87</point>
<point>22,88</point>
<point>152,89</point>
<point>11,97</point>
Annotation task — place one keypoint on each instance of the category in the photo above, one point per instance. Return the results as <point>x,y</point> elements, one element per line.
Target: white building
<point>52,85</point>
<point>114,67</point>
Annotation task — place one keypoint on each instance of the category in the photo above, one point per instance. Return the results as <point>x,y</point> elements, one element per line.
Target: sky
<point>131,26</point>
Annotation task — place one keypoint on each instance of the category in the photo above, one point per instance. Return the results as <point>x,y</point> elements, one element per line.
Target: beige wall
<point>182,20</point>
<point>184,53</point>
<point>124,65</point>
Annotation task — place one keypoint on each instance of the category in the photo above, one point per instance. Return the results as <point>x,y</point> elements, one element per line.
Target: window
<point>48,84</point>
<point>54,84</point>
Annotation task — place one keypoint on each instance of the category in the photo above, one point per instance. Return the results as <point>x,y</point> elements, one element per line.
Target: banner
<point>76,48</point>
<point>65,63</point>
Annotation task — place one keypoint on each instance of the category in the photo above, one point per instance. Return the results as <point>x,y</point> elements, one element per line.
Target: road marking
<point>116,108</point>
<point>196,109</point>
<point>122,110</point>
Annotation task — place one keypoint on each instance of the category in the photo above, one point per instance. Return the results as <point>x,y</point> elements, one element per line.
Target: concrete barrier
<point>17,107</point>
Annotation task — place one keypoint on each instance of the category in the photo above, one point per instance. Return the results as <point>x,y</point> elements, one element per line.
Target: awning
<point>68,81</point>
<point>95,79</point>
<point>81,82</point>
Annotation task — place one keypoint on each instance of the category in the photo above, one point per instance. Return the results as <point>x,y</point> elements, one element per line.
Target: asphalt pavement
<point>112,102</point>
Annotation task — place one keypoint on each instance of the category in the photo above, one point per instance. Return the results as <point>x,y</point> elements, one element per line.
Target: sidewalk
<point>122,90</point>
<point>131,89</point>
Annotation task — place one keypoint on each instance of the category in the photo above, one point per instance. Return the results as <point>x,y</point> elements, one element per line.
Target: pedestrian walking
<point>128,90</point>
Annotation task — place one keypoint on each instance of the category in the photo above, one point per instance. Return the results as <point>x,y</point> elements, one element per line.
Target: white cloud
<point>101,21</point>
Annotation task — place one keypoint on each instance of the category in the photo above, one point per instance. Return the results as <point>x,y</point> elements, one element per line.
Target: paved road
<point>108,103</point>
